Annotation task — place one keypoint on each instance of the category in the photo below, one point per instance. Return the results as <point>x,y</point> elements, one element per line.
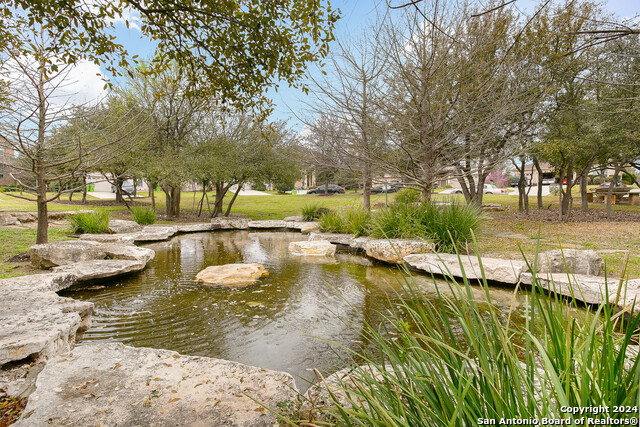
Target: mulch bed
<point>10,410</point>
<point>577,215</point>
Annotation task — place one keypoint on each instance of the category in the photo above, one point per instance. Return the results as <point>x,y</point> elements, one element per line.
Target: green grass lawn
<point>14,242</point>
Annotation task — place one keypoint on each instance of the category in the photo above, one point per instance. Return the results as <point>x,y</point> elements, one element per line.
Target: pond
<point>283,322</point>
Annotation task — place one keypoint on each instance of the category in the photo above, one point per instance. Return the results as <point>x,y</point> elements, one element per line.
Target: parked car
<point>514,182</point>
<point>127,188</point>
<point>548,181</point>
<point>492,189</point>
<point>384,188</point>
<point>332,189</point>
<point>488,189</point>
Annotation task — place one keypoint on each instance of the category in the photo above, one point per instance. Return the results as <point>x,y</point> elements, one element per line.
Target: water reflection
<point>271,324</point>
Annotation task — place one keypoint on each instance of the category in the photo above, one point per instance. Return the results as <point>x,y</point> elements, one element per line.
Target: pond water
<point>282,322</point>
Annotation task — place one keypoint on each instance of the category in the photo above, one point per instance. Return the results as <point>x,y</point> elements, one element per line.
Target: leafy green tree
<point>231,49</point>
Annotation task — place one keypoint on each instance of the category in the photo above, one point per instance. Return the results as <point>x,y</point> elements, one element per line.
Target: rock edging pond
<point>42,325</point>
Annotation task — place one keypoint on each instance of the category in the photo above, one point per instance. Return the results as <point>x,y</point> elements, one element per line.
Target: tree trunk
<point>220,191</point>
<point>119,182</point>
<point>567,197</point>
<point>175,198</point>
<point>43,215</point>
<point>583,189</point>
<point>233,199</point>
<point>610,190</point>
<point>84,189</point>
<point>539,169</point>
<point>152,194</point>
<point>326,185</point>
<point>366,186</point>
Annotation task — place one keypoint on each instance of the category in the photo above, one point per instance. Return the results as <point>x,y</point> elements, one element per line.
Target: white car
<point>492,189</point>
<point>488,189</point>
<point>548,181</point>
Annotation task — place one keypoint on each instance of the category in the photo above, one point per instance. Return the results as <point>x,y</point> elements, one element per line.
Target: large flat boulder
<point>309,227</point>
<point>394,250</point>
<point>495,269</point>
<point>128,252</point>
<point>591,289</point>
<point>7,219</point>
<point>67,252</point>
<point>231,223</point>
<point>268,224</point>
<point>322,248</point>
<point>154,233</point>
<point>47,282</point>
<point>335,238</point>
<point>232,275</point>
<point>197,227</point>
<point>100,269</point>
<point>108,238</point>
<point>123,226</point>
<point>574,261</point>
<point>114,385</point>
<point>37,325</point>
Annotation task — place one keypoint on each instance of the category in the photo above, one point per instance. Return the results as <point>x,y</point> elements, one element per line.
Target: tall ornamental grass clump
<point>313,212</point>
<point>143,215</point>
<point>452,362</point>
<point>450,226</point>
<point>352,221</point>
<point>89,222</point>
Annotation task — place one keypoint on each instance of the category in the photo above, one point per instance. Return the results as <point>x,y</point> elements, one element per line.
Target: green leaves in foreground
<point>453,362</point>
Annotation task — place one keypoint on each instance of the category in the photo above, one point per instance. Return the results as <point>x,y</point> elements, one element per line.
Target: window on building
<point>1,171</point>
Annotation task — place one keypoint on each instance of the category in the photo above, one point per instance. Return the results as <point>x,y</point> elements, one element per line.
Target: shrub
<point>407,196</point>
<point>91,222</point>
<point>358,220</point>
<point>143,215</point>
<point>313,212</point>
<point>452,361</point>
<point>450,226</point>
<point>333,222</point>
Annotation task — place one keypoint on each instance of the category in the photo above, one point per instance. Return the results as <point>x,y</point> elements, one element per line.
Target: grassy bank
<point>615,240</point>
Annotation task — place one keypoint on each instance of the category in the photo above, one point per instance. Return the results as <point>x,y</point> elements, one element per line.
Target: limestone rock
<point>48,282</point>
<point>153,233</point>
<point>197,227</point>
<point>37,324</point>
<point>100,269</point>
<point>359,242</point>
<point>8,219</point>
<point>232,275</point>
<point>128,252</point>
<point>231,223</point>
<point>109,238</point>
<point>297,218</point>
<point>312,248</point>
<point>26,216</point>
<point>61,253</point>
<point>309,227</point>
<point>394,250</point>
<point>590,289</point>
<point>577,262</point>
<point>495,269</point>
<point>122,226</point>
<point>273,223</point>
<point>141,386</point>
<point>64,215</point>
<point>335,238</point>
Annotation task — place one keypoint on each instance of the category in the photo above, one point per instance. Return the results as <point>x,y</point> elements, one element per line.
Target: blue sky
<point>356,16</point>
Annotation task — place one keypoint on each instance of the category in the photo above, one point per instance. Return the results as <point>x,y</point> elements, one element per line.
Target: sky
<point>357,15</point>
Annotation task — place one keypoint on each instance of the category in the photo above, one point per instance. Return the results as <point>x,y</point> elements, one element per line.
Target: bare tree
<point>352,94</point>
<point>32,124</point>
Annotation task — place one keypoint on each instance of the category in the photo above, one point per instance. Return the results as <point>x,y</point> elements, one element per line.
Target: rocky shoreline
<point>40,328</point>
